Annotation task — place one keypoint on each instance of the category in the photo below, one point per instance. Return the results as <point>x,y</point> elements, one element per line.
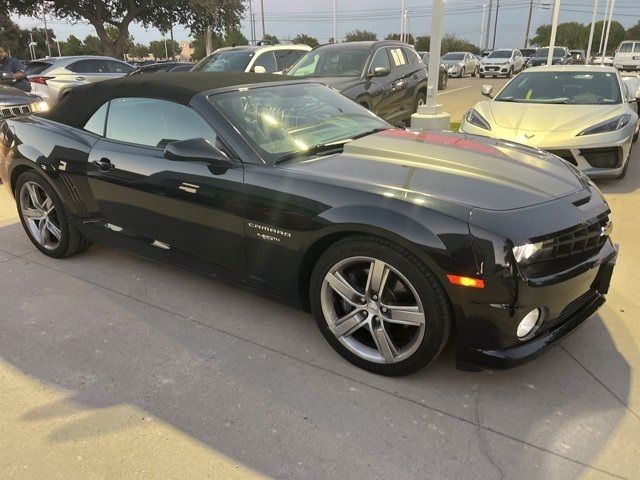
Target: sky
<point>285,19</point>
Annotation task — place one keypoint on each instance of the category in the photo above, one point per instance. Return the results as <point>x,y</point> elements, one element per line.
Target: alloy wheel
<point>40,215</point>
<point>373,310</point>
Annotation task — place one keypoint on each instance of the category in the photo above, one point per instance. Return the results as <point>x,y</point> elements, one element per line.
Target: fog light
<point>528,323</point>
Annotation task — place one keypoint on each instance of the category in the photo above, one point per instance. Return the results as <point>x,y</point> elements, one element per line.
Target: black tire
<point>462,72</point>
<point>71,240</point>
<point>635,136</point>
<point>437,312</point>
<point>442,83</point>
<point>421,99</point>
<point>482,75</point>
<point>510,72</point>
<point>625,169</point>
<point>475,72</point>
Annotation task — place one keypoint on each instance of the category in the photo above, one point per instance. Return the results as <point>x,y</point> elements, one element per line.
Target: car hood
<point>496,60</point>
<point>463,169</point>
<point>13,96</point>
<point>450,63</point>
<point>530,117</point>
<point>341,83</point>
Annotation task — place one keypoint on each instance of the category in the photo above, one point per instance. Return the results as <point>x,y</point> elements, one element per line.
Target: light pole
<point>262,13</point>
<point>554,30</point>
<point>430,115</point>
<point>526,37</point>
<point>606,38</point>
<point>495,25</point>
<point>593,27</point>
<point>487,30</point>
<point>606,10</point>
<point>482,32</point>
<point>402,22</point>
<point>335,21</point>
<point>253,36</point>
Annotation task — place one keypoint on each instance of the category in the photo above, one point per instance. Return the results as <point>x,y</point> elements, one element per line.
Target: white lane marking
<point>454,90</point>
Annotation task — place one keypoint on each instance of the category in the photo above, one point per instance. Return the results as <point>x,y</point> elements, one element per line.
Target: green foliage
<point>234,37</point>
<point>16,40</point>
<point>139,51</point>
<point>72,46</point>
<point>306,40</point>
<point>453,43</point>
<point>197,15</point>
<point>272,39</point>
<point>575,35</point>
<point>423,44</point>
<point>633,33</point>
<point>359,35</point>
<point>396,36</point>
<point>158,50</point>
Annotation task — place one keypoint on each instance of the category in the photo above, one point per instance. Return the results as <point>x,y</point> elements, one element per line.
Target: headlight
<point>608,125</point>
<point>474,118</point>
<point>527,252</point>
<point>39,106</point>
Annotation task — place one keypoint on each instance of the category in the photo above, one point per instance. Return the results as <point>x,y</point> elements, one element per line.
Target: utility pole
<point>495,25</point>
<point>487,30</point>
<point>46,31</point>
<point>484,11</point>
<point>173,45</point>
<point>606,11</point>
<point>253,38</point>
<point>554,30</point>
<point>606,38</point>
<point>526,37</point>
<point>262,13</point>
<point>402,22</point>
<point>406,25</point>
<point>166,52</point>
<point>208,43</point>
<point>335,21</point>
<point>32,47</point>
<point>593,27</point>
<point>58,43</point>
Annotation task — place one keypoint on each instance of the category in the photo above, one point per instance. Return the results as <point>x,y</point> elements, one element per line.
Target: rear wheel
<point>482,75</point>
<point>510,72</point>
<point>45,219</point>
<point>475,72</point>
<point>379,306</point>
<point>462,72</point>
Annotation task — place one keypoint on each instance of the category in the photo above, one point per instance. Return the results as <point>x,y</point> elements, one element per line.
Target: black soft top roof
<point>81,102</point>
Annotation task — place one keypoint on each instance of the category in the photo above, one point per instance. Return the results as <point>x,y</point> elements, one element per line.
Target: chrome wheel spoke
<point>348,324</point>
<point>404,315</point>
<point>47,205</point>
<point>33,195</point>
<point>343,288</point>
<point>378,273</point>
<point>32,213</point>
<point>44,233</point>
<point>384,343</point>
<point>53,229</point>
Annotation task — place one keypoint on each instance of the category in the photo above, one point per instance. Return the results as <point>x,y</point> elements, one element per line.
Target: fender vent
<point>73,194</point>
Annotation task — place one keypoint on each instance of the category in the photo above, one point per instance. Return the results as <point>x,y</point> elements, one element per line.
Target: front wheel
<point>443,81</point>
<point>379,306</point>
<point>510,72</point>
<point>475,72</point>
<point>45,219</point>
<point>462,73</point>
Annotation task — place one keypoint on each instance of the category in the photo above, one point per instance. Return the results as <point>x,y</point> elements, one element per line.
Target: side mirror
<point>380,72</point>
<point>487,90</point>
<point>197,149</point>
<point>259,69</point>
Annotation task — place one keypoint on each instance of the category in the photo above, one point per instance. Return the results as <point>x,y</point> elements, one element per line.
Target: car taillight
<point>40,80</point>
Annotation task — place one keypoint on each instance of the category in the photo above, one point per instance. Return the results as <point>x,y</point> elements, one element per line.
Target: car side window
<point>154,123</point>
<point>286,58</point>
<point>93,65</point>
<point>380,59</point>
<point>118,67</point>
<point>268,61</point>
<point>412,56</point>
<point>96,122</point>
<point>398,57</point>
<point>636,47</point>
<point>625,47</point>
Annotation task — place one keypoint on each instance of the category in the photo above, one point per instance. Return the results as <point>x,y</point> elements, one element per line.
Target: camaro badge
<point>264,231</point>
<point>529,135</point>
<point>607,229</point>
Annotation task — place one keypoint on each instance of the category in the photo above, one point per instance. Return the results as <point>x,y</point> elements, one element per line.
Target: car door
<point>117,69</point>
<point>184,209</point>
<point>380,88</point>
<point>286,58</point>
<point>401,71</point>
<point>267,60</point>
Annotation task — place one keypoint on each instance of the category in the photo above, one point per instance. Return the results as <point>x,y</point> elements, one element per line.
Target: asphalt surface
<point>116,367</point>
<point>463,93</point>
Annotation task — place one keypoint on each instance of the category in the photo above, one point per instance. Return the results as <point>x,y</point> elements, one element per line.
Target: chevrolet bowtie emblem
<point>529,135</point>
<point>606,230</point>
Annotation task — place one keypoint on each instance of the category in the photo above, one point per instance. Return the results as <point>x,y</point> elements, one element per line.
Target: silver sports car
<point>584,114</point>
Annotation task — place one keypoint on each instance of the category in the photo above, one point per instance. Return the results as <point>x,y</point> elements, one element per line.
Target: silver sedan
<point>583,114</point>
<point>461,63</point>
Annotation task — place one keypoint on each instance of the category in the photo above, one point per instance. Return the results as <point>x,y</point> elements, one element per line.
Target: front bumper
<point>495,70</point>
<point>568,301</point>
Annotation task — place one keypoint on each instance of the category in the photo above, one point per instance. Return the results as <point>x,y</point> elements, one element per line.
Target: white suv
<point>628,55</point>
<point>252,58</point>
<point>501,62</point>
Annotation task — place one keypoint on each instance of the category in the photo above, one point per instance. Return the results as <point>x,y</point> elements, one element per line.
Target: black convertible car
<point>393,239</point>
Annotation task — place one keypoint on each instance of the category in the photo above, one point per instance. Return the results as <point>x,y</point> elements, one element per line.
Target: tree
<point>423,44</point>
<point>575,35</point>
<point>359,35</point>
<point>453,43</point>
<point>234,37</point>
<point>160,49</point>
<point>196,15</point>
<point>272,39</point>
<point>93,45</point>
<point>72,46</point>
<point>199,48</point>
<point>139,51</point>
<point>11,36</point>
<point>633,33</point>
<point>396,36</point>
<point>306,40</point>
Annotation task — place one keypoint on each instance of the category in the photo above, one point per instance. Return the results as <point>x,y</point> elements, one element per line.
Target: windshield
<point>331,61</point>
<point>453,56</point>
<point>579,88</point>
<point>226,61</point>
<point>544,52</point>
<point>500,54</point>
<point>282,120</point>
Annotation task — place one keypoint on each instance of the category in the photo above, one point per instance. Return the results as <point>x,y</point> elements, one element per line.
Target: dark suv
<point>387,77</point>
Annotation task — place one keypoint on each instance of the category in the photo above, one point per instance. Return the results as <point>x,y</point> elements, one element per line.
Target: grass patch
<point>455,126</point>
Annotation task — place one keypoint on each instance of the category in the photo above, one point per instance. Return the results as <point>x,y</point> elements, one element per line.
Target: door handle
<point>80,79</point>
<point>104,164</point>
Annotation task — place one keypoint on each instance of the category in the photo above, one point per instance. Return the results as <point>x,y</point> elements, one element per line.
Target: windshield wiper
<point>335,146</point>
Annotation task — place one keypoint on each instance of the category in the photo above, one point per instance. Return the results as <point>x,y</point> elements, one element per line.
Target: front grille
<point>565,155</point>
<point>606,157</point>
<point>14,111</point>
<point>569,247</point>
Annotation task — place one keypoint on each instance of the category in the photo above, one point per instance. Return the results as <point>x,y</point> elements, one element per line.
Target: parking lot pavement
<point>113,366</point>
<point>463,93</point>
